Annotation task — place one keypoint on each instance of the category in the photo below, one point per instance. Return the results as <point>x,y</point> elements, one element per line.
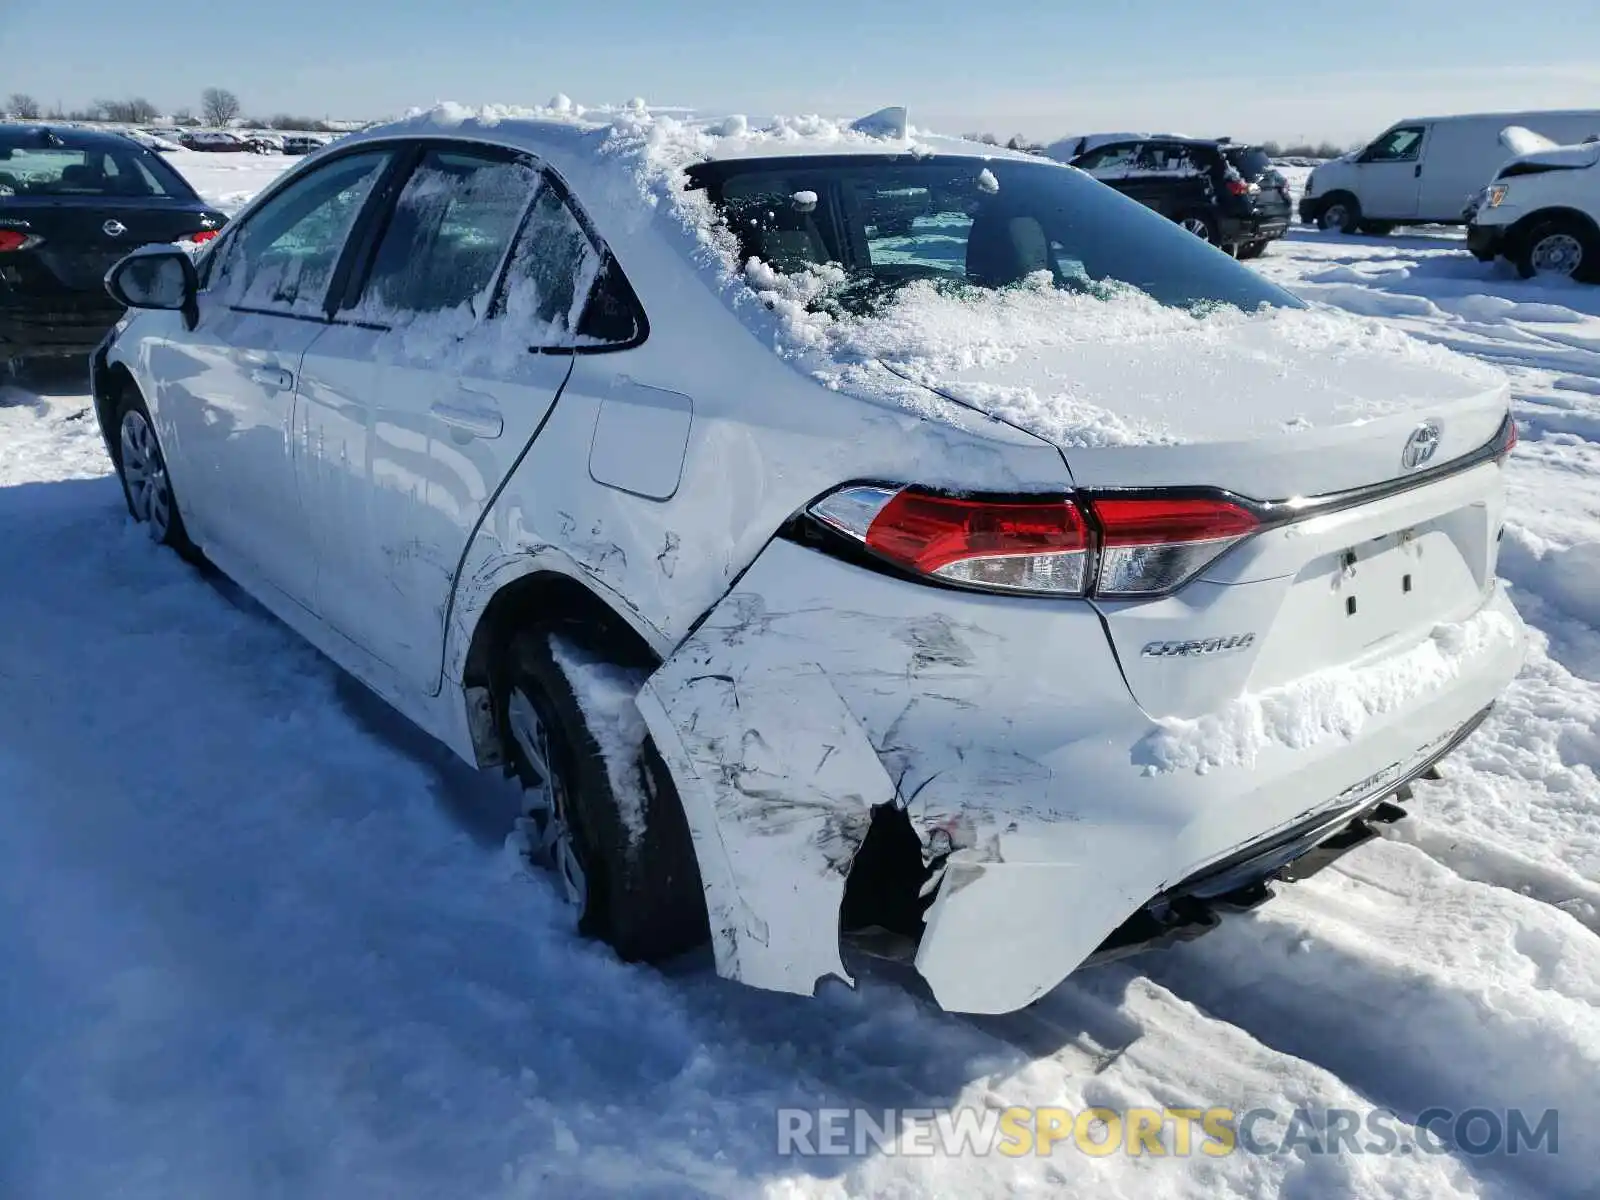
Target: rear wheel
<point>1201,225</point>
<point>1559,247</point>
<point>1341,213</point>
<point>146,485</point>
<point>625,862</point>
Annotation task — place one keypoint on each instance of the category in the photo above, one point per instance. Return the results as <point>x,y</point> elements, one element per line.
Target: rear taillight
<point>197,239</point>
<point>12,240</point>
<point>1115,547</point>
<point>1238,187</point>
<point>1152,545</point>
<point>1027,545</point>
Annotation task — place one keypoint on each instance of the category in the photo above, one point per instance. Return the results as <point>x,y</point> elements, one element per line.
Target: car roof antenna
<point>886,122</point>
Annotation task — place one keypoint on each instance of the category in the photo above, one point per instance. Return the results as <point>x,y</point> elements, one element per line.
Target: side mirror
<point>158,277</point>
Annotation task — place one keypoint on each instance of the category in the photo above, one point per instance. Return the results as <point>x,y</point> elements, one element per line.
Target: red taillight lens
<point>1135,546</point>
<point>1154,544</point>
<point>205,235</point>
<point>1032,545</point>
<point>1239,187</point>
<point>15,239</point>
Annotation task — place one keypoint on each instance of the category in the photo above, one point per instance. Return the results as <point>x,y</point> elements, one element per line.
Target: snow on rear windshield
<point>961,222</point>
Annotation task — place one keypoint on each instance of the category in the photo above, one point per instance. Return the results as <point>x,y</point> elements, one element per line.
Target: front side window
<point>1398,145</point>
<point>1116,159</point>
<point>448,235</point>
<point>283,256</point>
<point>964,222</point>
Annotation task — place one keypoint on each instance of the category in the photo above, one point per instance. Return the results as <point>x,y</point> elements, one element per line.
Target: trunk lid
<point>1268,413</point>
<point>82,237</point>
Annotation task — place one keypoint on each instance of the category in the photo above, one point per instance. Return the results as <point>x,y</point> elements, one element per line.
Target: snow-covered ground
<point>259,941</point>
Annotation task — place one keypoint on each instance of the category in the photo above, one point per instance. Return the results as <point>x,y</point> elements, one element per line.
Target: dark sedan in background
<point>72,203</point>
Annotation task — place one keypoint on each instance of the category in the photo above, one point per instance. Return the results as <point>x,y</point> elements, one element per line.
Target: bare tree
<point>134,112</point>
<point>20,104</point>
<point>219,106</point>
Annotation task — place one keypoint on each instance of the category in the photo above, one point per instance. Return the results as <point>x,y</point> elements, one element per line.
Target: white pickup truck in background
<point>1541,209</point>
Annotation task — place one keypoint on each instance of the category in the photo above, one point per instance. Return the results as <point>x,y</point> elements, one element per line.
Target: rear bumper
<point>1262,227</point>
<point>54,329</point>
<point>1004,730</point>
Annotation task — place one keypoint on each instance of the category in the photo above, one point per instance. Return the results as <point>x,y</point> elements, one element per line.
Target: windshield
<point>965,222</point>
<point>126,171</point>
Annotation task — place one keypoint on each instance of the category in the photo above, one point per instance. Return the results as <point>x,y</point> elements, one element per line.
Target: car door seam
<point>488,507</point>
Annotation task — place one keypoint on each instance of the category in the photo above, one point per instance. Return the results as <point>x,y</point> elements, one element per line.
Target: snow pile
<point>1331,703</point>
<point>1571,580</point>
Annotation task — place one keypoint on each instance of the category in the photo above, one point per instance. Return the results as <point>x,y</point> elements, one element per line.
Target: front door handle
<point>275,378</point>
<point>476,422</point>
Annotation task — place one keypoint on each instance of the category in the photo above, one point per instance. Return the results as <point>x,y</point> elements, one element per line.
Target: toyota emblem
<point>114,228</point>
<point>1420,446</point>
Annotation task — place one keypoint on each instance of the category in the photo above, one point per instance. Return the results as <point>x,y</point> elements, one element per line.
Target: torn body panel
<point>1003,728</point>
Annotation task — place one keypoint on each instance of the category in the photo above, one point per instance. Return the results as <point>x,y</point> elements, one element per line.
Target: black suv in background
<point>1227,194</point>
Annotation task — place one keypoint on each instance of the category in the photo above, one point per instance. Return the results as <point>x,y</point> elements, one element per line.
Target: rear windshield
<point>118,171</point>
<point>1251,162</point>
<point>965,222</point>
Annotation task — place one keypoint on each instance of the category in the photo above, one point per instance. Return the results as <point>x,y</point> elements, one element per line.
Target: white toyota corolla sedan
<point>844,533</point>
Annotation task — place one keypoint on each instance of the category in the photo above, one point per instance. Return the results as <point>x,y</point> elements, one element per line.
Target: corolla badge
<point>1200,647</point>
<point>1420,446</point>
<point>114,228</point>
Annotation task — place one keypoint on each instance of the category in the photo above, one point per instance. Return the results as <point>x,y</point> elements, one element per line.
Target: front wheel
<point>601,809</point>
<point>1560,248</point>
<point>1340,214</point>
<point>146,485</point>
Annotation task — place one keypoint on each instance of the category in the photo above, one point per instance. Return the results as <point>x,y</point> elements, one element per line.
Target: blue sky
<point>1249,68</point>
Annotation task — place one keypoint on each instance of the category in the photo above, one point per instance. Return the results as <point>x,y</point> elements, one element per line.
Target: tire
<point>1202,225</point>
<point>1559,246</point>
<point>1341,213</point>
<point>638,892</point>
<point>142,469</point>
<point>1249,250</point>
<point>1376,228</point>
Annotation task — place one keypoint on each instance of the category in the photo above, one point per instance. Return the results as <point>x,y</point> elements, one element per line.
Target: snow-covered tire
<point>142,469</point>
<point>1559,246</point>
<point>638,890</point>
<point>1341,213</point>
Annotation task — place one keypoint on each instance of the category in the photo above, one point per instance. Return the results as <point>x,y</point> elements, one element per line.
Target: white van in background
<point>1425,170</point>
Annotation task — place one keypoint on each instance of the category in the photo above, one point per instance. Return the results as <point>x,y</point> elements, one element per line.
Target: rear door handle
<point>478,422</point>
<point>272,377</point>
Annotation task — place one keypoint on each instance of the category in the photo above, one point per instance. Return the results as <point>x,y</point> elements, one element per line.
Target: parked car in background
<point>150,140</point>
<point>262,143</point>
<point>1542,210</point>
<point>1224,193</point>
<point>301,143</point>
<point>214,141</point>
<point>73,202</point>
<point>1425,169</point>
<point>843,629</point>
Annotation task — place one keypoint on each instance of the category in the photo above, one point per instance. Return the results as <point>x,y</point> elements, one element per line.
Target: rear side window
<point>1171,158</point>
<point>563,286</point>
<point>451,228</point>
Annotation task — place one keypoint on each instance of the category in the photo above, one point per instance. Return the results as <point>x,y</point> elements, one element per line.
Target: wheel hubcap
<point>547,801</point>
<point>1197,227</point>
<point>1558,254</point>
<point>145,473</point>
<point>1338,216</point>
